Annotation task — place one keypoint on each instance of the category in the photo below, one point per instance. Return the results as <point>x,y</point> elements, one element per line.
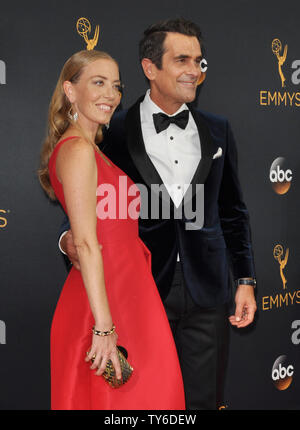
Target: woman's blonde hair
<point>59,111</point>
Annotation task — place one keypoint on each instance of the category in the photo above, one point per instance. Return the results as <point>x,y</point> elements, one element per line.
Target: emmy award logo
<point>84,28</point>
<point>276,49</point>
<point>278,253</point>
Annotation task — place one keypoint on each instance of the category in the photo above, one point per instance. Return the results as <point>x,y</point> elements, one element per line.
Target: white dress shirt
<point>174,152</point>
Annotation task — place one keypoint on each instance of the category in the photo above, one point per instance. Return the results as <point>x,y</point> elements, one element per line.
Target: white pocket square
<point>218,153</point>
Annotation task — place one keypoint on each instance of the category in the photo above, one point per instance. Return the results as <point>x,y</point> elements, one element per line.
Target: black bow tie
<point>162,121</point>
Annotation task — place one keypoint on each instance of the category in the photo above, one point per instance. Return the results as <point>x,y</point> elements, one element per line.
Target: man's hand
<point>67,245</point>
<point>245,306</point>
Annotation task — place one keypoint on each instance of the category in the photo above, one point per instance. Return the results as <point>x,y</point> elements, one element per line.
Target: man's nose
<point>194,69</point>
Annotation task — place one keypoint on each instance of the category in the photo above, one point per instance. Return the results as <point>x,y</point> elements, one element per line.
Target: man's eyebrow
<point>183,56</point>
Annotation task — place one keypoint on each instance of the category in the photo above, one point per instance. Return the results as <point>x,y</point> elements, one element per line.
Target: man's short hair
<point>152,44</point>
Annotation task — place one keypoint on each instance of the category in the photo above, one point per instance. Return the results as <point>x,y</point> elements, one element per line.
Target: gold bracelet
<point>104,333</point>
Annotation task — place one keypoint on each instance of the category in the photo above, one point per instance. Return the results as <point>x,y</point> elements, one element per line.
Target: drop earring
<point>73,117</point>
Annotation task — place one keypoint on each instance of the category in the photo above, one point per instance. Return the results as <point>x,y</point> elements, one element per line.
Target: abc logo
<point>280,176</point>
<point>282,374</point>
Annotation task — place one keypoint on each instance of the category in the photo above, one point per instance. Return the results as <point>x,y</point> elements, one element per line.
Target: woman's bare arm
<point>77,171</point>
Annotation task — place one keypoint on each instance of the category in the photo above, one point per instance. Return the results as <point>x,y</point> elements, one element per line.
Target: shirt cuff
<point>60,248</point>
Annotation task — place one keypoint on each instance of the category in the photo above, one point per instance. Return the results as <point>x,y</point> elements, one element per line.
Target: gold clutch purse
<point>109,373</point>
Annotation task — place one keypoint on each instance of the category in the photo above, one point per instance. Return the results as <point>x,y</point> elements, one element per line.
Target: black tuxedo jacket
<point>224,240</point>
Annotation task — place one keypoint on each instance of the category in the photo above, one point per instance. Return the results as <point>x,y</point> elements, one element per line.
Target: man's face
<point>176,82</point>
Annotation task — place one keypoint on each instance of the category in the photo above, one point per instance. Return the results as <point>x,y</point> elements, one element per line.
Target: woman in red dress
<point>113,299</point>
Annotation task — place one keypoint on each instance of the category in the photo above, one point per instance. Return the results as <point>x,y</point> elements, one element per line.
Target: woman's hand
<point>104,348</point>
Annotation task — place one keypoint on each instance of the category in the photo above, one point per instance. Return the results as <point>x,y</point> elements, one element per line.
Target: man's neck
<point>166,106</point>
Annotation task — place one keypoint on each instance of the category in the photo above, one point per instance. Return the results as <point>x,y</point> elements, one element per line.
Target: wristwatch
<point>244,281</point>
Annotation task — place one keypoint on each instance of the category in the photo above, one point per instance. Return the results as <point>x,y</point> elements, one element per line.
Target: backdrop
<point>253,78</point>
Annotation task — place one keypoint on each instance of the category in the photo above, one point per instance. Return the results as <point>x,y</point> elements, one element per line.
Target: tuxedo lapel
<point>137,150</point>
<point>208,148</point>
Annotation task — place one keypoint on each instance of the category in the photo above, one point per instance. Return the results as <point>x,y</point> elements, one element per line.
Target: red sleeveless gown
<point>137,312</point>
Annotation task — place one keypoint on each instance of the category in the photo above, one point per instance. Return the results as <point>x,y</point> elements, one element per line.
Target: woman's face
<point>97,93</point>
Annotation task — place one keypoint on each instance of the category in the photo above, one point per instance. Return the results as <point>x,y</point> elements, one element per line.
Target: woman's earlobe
<point>67,86</point>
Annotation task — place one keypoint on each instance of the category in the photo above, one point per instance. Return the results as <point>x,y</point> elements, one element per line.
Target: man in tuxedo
<point>162,140</point>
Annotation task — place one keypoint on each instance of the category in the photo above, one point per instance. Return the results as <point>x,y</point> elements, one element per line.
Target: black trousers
<point>201,337</point>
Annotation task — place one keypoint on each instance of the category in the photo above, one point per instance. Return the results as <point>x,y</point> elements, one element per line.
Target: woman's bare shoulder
<point>76,154</point>
<point>77,149</point>
<point>76,145</point>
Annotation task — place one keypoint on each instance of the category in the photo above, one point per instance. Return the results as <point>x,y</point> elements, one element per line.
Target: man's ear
<point>149,69</point>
